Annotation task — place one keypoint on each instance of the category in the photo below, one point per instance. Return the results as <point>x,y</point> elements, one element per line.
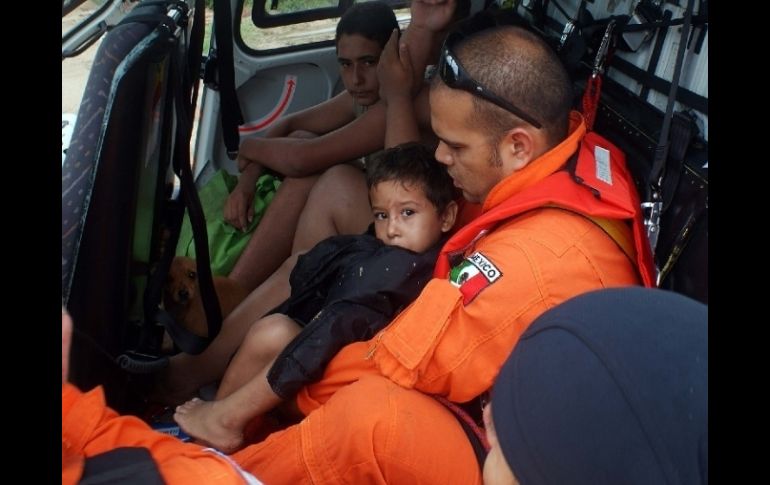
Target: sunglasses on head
<point>455,76</point>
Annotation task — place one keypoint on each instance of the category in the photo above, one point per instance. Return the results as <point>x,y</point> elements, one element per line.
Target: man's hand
<point>394,70</point>
<point>433,15</point>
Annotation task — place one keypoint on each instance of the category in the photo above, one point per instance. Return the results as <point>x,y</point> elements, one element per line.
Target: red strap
<point>591,100</point>
<point>461,415</point>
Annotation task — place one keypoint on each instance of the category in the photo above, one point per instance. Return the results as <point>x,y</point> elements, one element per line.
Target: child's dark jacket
<point>344,290</point>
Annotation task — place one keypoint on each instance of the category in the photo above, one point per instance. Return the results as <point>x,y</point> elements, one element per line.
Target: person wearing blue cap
<point>608,387</point>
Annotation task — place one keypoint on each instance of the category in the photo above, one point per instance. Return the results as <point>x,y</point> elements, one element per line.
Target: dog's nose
<point>184,294</point>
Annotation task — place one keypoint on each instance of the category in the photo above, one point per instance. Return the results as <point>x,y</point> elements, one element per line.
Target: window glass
<point>288,23</point>
<point>292,6</point>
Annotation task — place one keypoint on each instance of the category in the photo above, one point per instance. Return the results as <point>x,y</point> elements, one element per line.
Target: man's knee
<point>407,435</point>
<point>348,207</point>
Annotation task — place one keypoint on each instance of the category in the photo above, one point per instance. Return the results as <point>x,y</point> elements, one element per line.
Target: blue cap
<point>608,387</point>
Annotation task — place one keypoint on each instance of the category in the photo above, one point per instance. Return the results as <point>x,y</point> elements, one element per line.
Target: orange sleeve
<point>453,340</point>
<point>89,428</point>
<point>447,345</point>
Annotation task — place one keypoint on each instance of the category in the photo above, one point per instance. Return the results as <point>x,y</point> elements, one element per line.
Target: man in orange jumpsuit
<point>559,217</point>
<point>91,431</point>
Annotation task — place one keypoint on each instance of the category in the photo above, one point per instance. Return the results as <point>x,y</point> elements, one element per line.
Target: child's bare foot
<point>208,421</point>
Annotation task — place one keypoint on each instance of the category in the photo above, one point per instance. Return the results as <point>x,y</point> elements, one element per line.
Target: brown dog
<point>182,299</point>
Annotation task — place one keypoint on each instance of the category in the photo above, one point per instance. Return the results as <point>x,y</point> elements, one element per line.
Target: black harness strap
<point>652,65</point>
<point>121,466</point>
<point>197,220</point>
<point>231,110</point>
<point>684,96</point>
<point>183,96</point>
<point>653,197</point>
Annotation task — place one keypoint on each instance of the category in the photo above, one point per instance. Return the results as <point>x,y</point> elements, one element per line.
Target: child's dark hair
<point>412,163</point>
<point>373,20</point>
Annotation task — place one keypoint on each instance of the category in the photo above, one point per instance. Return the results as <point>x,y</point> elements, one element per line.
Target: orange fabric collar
<point>538,169</point>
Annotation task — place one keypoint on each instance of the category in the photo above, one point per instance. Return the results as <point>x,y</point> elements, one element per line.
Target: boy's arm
<point>295,157</point>
<point>396,89</point>
<point>430,20</point>
<point>319,119</point>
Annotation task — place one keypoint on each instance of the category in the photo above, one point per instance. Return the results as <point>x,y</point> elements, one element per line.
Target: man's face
<point>471,159</point>
<point>358,57</point>
<point>404,217</point>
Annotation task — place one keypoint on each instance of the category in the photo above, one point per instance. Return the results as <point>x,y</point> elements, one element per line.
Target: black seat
<point>116,186</point>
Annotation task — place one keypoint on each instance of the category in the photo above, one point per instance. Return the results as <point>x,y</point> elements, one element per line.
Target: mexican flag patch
<point>475,273</point>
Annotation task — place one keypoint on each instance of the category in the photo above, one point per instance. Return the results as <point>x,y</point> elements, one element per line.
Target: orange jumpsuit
<point>366,421</point>
<point>89,428</point>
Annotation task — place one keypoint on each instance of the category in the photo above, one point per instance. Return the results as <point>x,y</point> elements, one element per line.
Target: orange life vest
<point>597,185</point>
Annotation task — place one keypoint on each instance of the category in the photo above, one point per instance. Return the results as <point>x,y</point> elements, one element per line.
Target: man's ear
<point>518,147</point>
<point>449,216</point>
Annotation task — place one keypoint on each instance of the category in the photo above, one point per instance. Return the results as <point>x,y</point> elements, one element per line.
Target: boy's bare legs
<point>187,373</point>
<point>243,395</point>
<point>270,243</point>
<point>337,204</point>
<point>265,340</point>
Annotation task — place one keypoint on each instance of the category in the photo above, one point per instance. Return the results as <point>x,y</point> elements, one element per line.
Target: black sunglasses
<point>455,76</point>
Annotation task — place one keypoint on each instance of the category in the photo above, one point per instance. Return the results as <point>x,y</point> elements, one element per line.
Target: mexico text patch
<point>475,273</point>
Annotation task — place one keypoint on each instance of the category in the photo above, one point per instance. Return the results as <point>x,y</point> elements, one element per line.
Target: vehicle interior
<point>174,85</point>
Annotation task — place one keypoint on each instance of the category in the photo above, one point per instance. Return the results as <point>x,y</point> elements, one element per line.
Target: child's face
<point>404,217</point>
<point>358,58</point>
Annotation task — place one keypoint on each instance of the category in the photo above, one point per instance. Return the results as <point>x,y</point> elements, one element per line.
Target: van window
<point>269,25</point>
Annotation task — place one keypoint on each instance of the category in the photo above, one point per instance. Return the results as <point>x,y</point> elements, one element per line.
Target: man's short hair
<point>412,163</point>
<point>519,66</point>
<point>372,20</point>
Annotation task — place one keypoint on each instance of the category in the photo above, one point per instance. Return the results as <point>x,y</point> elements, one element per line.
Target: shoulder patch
<point>473,274</point>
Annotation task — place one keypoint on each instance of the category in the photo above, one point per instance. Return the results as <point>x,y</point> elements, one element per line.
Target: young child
<point>343,290</point>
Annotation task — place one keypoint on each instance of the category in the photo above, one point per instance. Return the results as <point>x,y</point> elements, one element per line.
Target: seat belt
<point>653,205</point>
<point>183,97</point>
<point>192,343</point>
<point>185,88</point>
<point>222,58</point>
